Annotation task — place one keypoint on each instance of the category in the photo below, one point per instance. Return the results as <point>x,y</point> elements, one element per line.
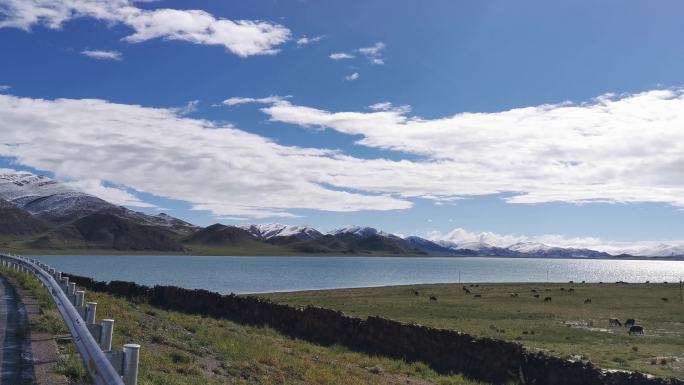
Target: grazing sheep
<point>588,300</point>
<point>536,296</point>
<point>636,329</point>
<point>433,298</point>
<point>614,322</point>
<point>547,299</point>
<point>630,322</point>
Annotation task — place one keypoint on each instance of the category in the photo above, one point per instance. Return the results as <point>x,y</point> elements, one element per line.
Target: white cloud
<point>302,41</point>
<point>612,149</point>
<point>387,106</point>
<point>4,87</point>
<point>241,37</point>
<point>340,56</point>
<point>102,54</point>
<point>352,77</point>
<point>374,53</point>
<point>374,50</point>
<point>382,106</point>
<point>221,169</point>
<point>626,149</point>
<point>117,196</point>
<point>236,100</point>
<point>189,108</point>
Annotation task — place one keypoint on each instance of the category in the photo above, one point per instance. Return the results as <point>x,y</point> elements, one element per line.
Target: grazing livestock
<point>571,290</point>
<point>513,295</point>
<point>547,299</point>
<point>588,300</point>
<point>533,290</point>
<point>536,296</point>
<point>415,292</point>
<point>614,322</point>
<point>664,299</point>
<point>433,298</point>
<point>636,329</point>
<point>477,296</point>
<point>562,289</point>
<point>630,322</point>
<point>466,290</point>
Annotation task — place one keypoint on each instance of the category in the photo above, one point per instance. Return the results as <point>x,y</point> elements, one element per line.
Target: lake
<point>270,274</point>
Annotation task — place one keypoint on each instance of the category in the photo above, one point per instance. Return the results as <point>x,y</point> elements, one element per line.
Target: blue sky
<point>441,58</point>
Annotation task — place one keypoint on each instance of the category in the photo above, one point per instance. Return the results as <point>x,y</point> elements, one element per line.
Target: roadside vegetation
<point>183,349</point>
<point>565,326</point>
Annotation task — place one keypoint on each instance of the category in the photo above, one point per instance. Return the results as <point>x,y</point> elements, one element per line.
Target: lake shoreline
<point>91,253</point>
<point>243,274</point>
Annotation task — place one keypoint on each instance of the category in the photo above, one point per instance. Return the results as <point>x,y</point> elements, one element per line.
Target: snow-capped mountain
<point>468,245</point>
<point>46,198</point>
<point>542,250</point>
<point>361,231</point>
<point>272,230</point>
<point>659,250</point>
<point>427,245</point>
<point>15,186</point>
<point>529,247</point>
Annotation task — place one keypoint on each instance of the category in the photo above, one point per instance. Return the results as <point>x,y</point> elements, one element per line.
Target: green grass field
<point>565,327</point>
<point>179,349</point>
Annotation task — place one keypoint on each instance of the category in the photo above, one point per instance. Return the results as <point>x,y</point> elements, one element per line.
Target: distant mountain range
<point>38,213</point>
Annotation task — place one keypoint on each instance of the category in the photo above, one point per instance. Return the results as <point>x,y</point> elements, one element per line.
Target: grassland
<point>191,350</point>
<point>565,327</point>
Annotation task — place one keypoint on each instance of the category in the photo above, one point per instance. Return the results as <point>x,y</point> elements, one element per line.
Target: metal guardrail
<point>93,341</point>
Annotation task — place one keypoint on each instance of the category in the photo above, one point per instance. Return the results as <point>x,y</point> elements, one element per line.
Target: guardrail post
<point>91,311</point>
<point>107,331</point>
<point>71,289</point>
<point>131,360</point>
<point>64,283</point>
<point>79,298</point>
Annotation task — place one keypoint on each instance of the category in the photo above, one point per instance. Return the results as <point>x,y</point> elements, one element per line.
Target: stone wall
<point>447,351</point>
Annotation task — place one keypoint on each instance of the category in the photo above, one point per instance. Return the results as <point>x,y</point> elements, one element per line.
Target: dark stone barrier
<point>447,351</point>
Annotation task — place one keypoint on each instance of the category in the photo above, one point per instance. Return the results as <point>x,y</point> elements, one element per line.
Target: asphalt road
<point>12,344</point>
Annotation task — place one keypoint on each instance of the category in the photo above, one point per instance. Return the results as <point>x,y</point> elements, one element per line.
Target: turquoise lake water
<point>270,274</point>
